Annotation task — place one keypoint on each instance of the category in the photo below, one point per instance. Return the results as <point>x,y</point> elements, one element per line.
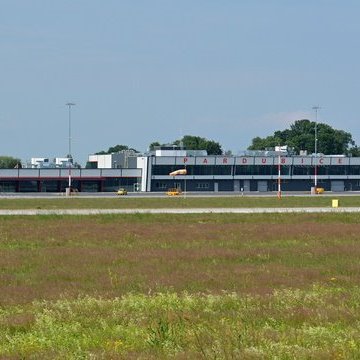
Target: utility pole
<point>316,109</point>
<point>69,104</point>
<point>279,176</point>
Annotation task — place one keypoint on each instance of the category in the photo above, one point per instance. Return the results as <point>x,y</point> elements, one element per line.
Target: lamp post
<point>279,176</point>
<point>69,105</point>
<point>316,109</point>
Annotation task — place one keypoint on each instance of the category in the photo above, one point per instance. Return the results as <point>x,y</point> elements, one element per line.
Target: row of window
<point>109,184</point>
<point>259,170</point>
<point>165,185</point>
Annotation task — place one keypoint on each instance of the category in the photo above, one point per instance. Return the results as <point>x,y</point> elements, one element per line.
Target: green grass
<point>208,286</point>
<point>288,324</point>
<point>176,202</point>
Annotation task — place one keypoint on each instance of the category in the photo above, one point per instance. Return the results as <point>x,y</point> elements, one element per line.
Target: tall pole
<point>69,105</point>
<point>185,182</point>
<point>279,177</point>
<point>316,108</point>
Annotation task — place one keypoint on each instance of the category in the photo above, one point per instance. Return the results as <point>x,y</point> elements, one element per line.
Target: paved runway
<point>162,194</point>
<point>181,211</point>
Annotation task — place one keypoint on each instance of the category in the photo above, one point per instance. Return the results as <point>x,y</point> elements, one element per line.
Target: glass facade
<point>8,186</point>
<point>49,186</point>
<point>211,177</point>
<point>90,186</point>
<point>256,170</point>
<point>113,184</point>
<point>268,170</point>
<point>326,170</point>
<point>28,186</point>
<point>303,170</point>
<point>194,169</point>
<point>164,169</point>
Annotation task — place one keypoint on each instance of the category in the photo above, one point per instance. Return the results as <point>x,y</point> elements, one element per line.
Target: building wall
<point>56,180</point>
<point>204,173</point>
<point>104,161</point>
<point>221,173</point>
<point>118,160</point>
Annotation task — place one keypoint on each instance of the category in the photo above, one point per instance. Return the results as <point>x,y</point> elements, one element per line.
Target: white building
<point>45,162</point>
<point>120,160</point>
<point>39,162</point>
<point>62,162</point>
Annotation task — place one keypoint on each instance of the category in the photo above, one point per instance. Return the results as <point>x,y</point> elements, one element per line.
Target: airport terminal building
<point>205,173</point>
<point>253,173</point>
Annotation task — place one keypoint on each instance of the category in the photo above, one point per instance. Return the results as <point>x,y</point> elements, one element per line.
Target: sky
<point>141,71</point>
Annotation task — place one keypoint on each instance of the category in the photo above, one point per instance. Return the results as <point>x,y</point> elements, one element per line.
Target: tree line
<point>299,136</point>
<point>9,162</point>
<point>188,142</point>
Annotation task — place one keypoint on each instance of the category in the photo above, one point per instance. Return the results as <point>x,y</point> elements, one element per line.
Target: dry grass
<point>183,286</point>
<point>44,257</point>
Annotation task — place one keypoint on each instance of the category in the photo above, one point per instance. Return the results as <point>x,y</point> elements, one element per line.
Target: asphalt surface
<point>163,194</point>
<point>6,212</point>
<point>181,211</point>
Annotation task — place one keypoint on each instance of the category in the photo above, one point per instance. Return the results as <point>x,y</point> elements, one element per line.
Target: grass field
<point>176,202</point>
<point>184,286</point>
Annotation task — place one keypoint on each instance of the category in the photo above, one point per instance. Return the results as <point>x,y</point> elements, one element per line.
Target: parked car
<point>173,192</point>
<point>122,191</point>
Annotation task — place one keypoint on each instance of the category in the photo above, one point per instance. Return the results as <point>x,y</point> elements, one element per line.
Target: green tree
<point>153,145</point>
<point>259,143</point>
<point>8,162</point>
<point>115,149</point>
<point>198,143</point>
<point>301,136</point>
<point>190,142</point>
<point>355,151</point>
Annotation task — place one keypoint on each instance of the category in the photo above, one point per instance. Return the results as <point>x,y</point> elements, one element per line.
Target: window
<point>8,186</point>
<point>202,186</point>
<point>256,170</point>
<point>354,170</point>
<point>303,170</point>
<point>164,169</point>
<point>161,186</point>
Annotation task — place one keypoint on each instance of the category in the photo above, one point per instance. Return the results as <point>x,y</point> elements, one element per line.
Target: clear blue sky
<point>142,71</point>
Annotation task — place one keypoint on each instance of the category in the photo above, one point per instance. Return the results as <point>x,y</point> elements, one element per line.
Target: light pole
<point>69,105</point>
<point>316,108</point>
<point>279,176</point>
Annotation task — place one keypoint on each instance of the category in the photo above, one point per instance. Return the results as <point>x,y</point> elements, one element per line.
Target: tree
<point>190,142</point>
<point>8,162</point>
<point>198,143</point>
<point>153,145</point>
<point>301,136</point>
<point>355,151</point>
<point>262,144</point>
<point>115,149</point>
